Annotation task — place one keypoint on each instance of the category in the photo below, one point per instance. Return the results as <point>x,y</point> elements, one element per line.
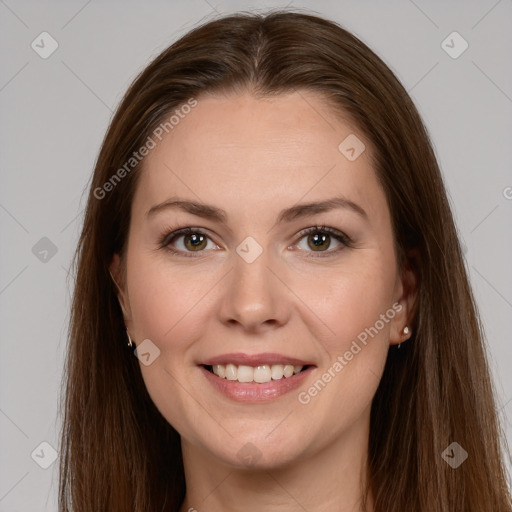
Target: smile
<point>255,378</point>
<point>260,374</point>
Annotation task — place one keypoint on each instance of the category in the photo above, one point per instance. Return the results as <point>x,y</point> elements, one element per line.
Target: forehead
<point>249,151</point>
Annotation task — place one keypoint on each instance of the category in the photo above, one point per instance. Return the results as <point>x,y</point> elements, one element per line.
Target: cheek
<point>357,308</point>
<point>169,307</point>
<point>163,297</point>
<point>352,300</point>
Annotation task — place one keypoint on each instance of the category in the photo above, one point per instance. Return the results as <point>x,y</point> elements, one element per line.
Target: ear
<point>404,303</point>
<point>118,275</point>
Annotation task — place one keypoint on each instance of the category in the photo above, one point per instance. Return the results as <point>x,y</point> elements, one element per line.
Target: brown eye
<point>195,241</point>
<point>186,241</point>
<point>324,241</point>
<point>319,241</point>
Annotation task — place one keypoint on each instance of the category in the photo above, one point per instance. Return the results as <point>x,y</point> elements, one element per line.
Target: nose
<point>255,297</point>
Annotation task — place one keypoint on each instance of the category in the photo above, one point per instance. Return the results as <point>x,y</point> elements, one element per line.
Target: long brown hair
<point>118,453</point>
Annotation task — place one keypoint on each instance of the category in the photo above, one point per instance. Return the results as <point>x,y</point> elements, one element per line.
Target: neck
<point>330,479</point>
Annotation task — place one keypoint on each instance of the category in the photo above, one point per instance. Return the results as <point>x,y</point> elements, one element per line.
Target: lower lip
<point>252,391</point>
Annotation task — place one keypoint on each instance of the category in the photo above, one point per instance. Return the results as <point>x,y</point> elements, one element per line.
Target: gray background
<point>54,113</point>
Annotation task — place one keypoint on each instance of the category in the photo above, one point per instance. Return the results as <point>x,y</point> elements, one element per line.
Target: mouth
<point>260,374</point>
<point>255,378</point>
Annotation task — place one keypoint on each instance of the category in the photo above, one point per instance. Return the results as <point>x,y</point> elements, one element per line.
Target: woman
<point>268,232</point>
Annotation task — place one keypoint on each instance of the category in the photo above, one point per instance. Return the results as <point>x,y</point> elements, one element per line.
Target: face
<point>293,307</point>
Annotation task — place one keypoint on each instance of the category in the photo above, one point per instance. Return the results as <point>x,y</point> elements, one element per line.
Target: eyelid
<point>171,234</point>
<point>341,237</point>
<point>326,229</point>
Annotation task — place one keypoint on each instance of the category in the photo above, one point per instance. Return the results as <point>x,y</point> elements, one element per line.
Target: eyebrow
<point>287,215</point>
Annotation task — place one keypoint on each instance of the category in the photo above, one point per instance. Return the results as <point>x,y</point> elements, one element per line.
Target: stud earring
<point>405,332</point>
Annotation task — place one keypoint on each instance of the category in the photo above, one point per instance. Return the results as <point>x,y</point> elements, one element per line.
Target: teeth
<point>259,374</point>
<point>231,371</point>
<point>277,371</point>
<point>288,370</point>
<point>220,370</point>
<point>245,374</point>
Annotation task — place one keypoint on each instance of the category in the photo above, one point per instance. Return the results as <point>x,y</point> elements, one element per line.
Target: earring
<point>115,282</point>
<point>405,332</point>
<point>130,342</point>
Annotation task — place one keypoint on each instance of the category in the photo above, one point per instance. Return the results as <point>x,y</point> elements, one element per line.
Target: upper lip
<point>268,358</point>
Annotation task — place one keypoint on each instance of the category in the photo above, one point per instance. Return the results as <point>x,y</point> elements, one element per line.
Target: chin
<point>257,452</point>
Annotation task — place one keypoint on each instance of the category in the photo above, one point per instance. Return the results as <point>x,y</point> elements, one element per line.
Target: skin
<point>253,158</point>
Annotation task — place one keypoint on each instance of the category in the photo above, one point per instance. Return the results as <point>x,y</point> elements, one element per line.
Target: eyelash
<point>168,236</point>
